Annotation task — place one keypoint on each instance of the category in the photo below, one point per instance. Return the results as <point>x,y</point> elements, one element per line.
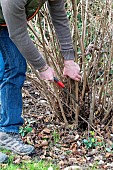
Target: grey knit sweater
<point>15,17</point>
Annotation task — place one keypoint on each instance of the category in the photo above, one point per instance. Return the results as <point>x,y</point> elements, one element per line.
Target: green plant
<point>94,167</point>
<point>24,130</point>
<point>56,137</point>
<point>92,141</point>
<point>41,165</point>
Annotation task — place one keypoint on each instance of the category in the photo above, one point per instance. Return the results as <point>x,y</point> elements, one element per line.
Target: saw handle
<point>59,83</point>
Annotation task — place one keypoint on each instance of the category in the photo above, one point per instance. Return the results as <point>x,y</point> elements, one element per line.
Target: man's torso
<point>32,7</point>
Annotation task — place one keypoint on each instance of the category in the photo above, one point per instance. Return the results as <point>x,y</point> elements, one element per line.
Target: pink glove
<point>47,73</point>
<point>72,70</point>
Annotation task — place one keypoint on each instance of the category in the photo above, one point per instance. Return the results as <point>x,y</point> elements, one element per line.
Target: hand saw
<point>62,86</point>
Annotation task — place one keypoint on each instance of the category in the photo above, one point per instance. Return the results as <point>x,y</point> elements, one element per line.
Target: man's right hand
<point>47,73</point>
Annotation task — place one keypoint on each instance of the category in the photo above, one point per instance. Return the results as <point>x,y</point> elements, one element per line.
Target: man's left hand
<point>72,70</point>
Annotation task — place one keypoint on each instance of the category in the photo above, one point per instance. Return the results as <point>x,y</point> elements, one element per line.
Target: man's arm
<point>15,17</point>
<point>61,24</point>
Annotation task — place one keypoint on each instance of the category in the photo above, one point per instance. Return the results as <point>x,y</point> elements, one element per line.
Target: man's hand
<point>46,73</point>
<point>72,70</point>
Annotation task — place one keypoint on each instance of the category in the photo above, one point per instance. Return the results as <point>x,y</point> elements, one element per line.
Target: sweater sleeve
<point>15,17</point>
<point>61,24</point>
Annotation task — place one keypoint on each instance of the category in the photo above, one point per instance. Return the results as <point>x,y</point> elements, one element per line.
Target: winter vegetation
<point>92,33</point>
<point>71,131</point>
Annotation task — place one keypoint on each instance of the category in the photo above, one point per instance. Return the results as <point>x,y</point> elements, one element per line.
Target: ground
<point>63,145</point>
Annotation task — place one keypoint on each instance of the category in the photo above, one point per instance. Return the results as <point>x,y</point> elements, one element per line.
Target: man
<point>15,48</point>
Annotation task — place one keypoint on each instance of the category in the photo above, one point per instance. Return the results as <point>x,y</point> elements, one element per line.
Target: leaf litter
<point>66,146</point>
